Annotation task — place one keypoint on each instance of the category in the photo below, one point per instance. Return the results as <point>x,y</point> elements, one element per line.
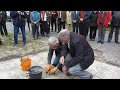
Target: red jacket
<point>107,18</point>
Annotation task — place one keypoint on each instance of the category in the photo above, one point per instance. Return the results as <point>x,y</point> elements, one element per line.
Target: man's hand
<point>62,60</point>
<point>81,19</point>
<point>22,13</point>
<point>109,23</point>
<point>64,69</point>
<point>35,22</point>
<point>74,21</point>
<point>48,67</point>
<point>53,70</point>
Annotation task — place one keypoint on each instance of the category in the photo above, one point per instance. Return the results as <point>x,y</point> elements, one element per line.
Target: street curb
<point>18,56</point>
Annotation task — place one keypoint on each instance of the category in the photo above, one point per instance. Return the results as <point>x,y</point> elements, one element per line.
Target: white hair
<point>53,41</point>
<point>64,33</point>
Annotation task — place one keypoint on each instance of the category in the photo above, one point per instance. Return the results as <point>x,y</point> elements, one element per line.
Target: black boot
<point>117,42</point>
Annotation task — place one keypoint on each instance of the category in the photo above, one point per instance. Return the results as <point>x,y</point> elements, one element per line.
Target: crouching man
<point>54,45</point>
<point>79,55</point>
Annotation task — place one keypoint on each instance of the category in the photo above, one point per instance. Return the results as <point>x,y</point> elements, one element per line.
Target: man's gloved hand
<point>48,67</point>
<point>53,70</point>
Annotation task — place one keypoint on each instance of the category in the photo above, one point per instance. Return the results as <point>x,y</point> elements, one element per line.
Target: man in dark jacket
<point>28,19</point>
<point>84,19</point>
<point>61,20</point>
<point>18,18</point>
<point>79,54</point>
<point>115,24</point>
<point>54,45</point>
<point>75,21</point>
<point>54,15</point>
<point>93,24</point>
<point>3,18</point>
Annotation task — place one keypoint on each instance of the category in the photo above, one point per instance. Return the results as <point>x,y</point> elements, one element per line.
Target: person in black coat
<point>18,18</point>
<point>115,24</point>
<point>84,20</point>
<point>28,19</point>
<point>93,24</point>
<point>79,54</point>
<point>3,19</point>
<point>75,21</point>
<point>54,16</point>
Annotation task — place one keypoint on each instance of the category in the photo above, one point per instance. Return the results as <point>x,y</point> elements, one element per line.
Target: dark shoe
<point>42,35</point>
<point>90,39</point>
<point>117,42</point>
<point>60,69</point>
<point>98,41</point>
<point>102,42</point>
<point>47,35</point>
<point>19,33</point>
<point>24,44</point>
<point>54,65</point>
<point>68,74</point>
<point>108,41</point>
<point>93,39</point>
<point>91,76</point>
<point>15,45</point>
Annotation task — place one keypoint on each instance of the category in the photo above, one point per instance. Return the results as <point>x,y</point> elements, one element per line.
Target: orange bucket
<point>25,63</point>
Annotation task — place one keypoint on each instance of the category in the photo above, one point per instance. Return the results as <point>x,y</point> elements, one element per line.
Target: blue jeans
<point>101,33</point>
<point>57,63</point>
<point>16,30</point>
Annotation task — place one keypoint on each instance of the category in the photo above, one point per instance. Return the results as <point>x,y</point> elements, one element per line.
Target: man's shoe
<point>102,42</point>
<point>47,35</point>
<point>117,42</point>
<point>108,41</point>
<point>98,41</point>
<point>90,39</point>
<point>91,76</point>
<point>24,44</point>
<point>93,39</point>
<point>54,65</point>
<point>68,74</point>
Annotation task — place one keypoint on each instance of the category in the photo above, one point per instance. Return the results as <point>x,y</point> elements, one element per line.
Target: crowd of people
<point>80,22</point>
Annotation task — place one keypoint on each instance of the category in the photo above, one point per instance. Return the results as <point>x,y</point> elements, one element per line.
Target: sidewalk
<point>11,69</point>
<point>104,71</point>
